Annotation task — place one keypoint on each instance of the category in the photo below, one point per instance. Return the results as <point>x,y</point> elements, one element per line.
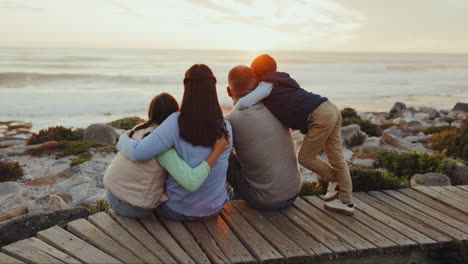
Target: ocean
<point>77,87</point>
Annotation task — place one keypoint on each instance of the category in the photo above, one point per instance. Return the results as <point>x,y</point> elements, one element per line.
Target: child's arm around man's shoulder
<point>262,91</point>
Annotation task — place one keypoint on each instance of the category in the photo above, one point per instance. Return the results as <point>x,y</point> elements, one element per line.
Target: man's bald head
<point>242,80</point>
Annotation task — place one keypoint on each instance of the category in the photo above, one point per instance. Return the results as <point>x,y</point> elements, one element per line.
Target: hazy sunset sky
<point>331,25</point>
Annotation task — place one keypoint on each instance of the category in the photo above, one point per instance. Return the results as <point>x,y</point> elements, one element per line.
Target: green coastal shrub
<point>406,165</point>
<point>100,206</point>
<point>126,122</point>
<point>351,117</point>
<point>374,180</point>
<point>453,142</point>
<point>363,180</point>
<point>356,140</point>
<point>57,133</point>
<point>436,129</point>
<point>10,171</point>
<point>69,148</point>
<point>6,146</point>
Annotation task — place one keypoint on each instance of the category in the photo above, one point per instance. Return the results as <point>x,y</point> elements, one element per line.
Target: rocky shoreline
<point>51,183</point>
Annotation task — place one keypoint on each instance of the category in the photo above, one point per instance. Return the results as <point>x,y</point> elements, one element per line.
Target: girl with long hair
<point>192,132</point>
<point>135,189</point>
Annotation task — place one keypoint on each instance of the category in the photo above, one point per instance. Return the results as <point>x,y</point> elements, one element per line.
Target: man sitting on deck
<point>263,171</point>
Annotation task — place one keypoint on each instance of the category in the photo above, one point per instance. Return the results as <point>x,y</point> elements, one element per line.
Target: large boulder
<point>364,163</point>
<point>458,171</point>
<point>430,179</point>
<point>47,203</point>
<point>101,133</point>
<point>10,202</point>
<point>433,114</point>
<point>461,107</point>
<point>397,109</point>
<point>421,116</point>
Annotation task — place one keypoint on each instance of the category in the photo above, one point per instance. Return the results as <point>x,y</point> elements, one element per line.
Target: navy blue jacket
<point>288,102</point>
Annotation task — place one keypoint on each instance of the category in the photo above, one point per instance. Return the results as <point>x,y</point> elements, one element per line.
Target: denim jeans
<point>124,209</point>
<point>167,212</point>
<point>242,190</point>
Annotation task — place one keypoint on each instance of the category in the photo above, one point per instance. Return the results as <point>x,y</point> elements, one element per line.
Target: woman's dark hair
<point>162,106</point>
<point>201,120</point>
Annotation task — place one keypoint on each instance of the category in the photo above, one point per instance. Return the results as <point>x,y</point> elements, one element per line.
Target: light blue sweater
<point>206,200</point>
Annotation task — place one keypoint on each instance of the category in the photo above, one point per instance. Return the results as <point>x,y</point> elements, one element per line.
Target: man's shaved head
<point>242,80</point>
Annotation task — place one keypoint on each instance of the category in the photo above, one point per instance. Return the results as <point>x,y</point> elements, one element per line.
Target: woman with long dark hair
<point>192,132</point>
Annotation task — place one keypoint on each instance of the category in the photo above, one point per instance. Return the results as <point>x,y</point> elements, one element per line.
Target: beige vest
<point>266,153</point>
<point>140,184</point>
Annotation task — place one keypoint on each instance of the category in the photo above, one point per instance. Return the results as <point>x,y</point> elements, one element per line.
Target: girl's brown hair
<point>201,120</point>
<point>160,108</point>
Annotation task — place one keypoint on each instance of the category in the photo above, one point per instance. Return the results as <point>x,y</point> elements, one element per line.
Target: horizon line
<point>242,50</point>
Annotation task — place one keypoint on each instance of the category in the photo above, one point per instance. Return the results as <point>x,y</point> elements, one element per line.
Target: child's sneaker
<point>332,191</point>
<point>340,207</point>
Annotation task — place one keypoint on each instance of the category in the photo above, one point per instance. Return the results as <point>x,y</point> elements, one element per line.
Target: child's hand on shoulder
<point>222,144</point>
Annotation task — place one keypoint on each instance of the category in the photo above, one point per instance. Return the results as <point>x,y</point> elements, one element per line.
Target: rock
<point>402,144</point>
<point>101,194</point>
<point>433,114</point>
<point>421,116</point>
<point>458,171</point>
<point>458,123</point>
<point>378,120</point>
<point>397,109</point>
<point>66,197</point>
<point>9,187</point>
<point>19,211</point>
<point>101,133</point>
<point>68,184</point>
<point>365,115</point>
<point>430,179</point>
<point>19,125</point>
<point>5,158</point>
<point>370,148</point>
<point>348,132</point>
<point>417,138</point>
<point>47,203</point>
<point>28,225</point>
<point>415,124</point>
<point>10,202</point>
<point>364,163</point>
<point>461,107</point>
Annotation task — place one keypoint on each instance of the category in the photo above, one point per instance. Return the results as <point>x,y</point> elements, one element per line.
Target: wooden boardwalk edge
<point>385,223</point>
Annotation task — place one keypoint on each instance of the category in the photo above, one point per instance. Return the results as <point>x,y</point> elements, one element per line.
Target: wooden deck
<point>386,222</point>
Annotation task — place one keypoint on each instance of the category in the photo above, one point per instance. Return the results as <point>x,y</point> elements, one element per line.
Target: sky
<point>321,25</point>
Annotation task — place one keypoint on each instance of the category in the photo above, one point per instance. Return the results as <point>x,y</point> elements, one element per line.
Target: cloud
<point>15,5</point>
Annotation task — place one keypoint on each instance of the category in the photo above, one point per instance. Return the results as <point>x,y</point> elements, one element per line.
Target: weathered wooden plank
<point>106,224</point>
<point>356,224</point>
<point>313,247</point>
<point>427,220</point>
<point>227,241</point>
<point>91,234</point>
<point>167,241</point>
<point>4,258</point>
<point>28,253</point>
<point>463,187</point>
<point>433,203</point>
<point>428,210</point>
<point>397,220</point>
<point>41,245</point>
<point>333,242</point>
<point>460,192</point>
<point>357,241</point>
<point>287,247</point>
<point>74,246</point>
<point>206,242</point>
<point>185,239</point>
<point>259,247</point>
<point>462,207</point>
<point>139,232</point>
<point>448,193</point>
